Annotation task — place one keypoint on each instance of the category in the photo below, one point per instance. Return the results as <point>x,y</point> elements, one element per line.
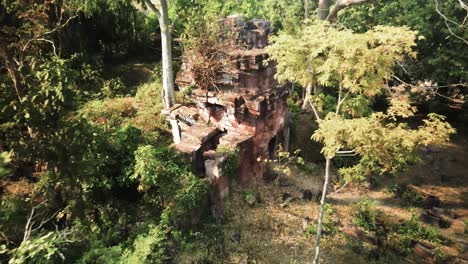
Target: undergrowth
<point>390,234</point>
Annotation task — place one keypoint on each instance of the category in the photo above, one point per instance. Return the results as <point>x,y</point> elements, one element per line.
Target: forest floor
<point>274,231</point>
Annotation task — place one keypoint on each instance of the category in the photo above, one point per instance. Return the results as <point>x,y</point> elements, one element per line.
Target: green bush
<point>109,112</point>
<point>366,216</point>
<point>414,230</point>
<point>114,88</point>
<point>192,199</point>
<point>4,160</point>
<point>159,167</point>
<point>408,196</point>
<point>204,246</point>
<point>148,96</point>
<point>124,142</point>
<point>357,246</point>
<point>328,224</point>
<point>400,236</point>
<point>43,249</point>
<point>151,247</point>
<point>150,105</point>
<point>12,219</point>
<point>231,164</point>
<point>101,254</point>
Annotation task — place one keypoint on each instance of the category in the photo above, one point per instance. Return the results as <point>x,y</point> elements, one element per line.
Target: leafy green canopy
<point>190,15</point>
<point>442,57</point>
<point>358,63</point>
<point>384,146</point>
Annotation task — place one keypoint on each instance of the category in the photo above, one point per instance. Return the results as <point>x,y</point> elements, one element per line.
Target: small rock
<point>423,252</point>
<point>434,149</point>
<point>318,196</point>
<point>270,175</point>
<point>306,221</point>
<point>429,218</point>
<point>427,244</point>
<point>438,210</point>
<point>432,201</point>
<point>283,182</point>
<point>285,196</point>
<point>446,212</point>
<point>425,150</point>
<point>287,202</point>
<point>444,178</point>
<point>236,237</point>
<point>307,195</point>
<point>451,214</point>
<point>444,223</point>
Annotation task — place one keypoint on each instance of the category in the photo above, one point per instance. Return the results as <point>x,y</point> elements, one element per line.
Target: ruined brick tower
<point>247,110</point>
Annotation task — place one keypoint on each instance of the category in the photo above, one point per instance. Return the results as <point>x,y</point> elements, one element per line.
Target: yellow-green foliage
<point>359,63</point>
<point>284,159</point>
<point>4,160</point>
<point>46,248</point>
<point>109,112</point>
<point>383,145</point>
<point>148,99</point>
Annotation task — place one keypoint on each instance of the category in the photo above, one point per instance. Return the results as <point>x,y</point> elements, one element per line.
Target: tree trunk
<point>306,9</point>
<point>166,39</point>
<point>323,9</point>
<point>340,5</point>
<point>308,92</point>
<point>19,84</point>
<point>322,208</point>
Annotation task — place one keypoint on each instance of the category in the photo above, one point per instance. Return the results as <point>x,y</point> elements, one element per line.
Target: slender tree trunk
<point>166,42</point>
<point>322,209</point>
<point>308,93</point>
<point>306,9</point>
<point>340,5</point>
<point>323,9</point>
<point>16,78</point>
<point>18,83</point>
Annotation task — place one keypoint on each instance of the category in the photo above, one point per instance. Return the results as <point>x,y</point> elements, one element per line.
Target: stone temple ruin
<point>247,110</point>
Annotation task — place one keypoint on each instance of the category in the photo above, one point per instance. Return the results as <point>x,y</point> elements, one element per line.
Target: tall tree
<point>324,12</point>
<point>306,9</point>
<point>28,30</point>
<point>323,9</point>
<point>340,5</point>
<point>161,9</point>
<point>356,65</point>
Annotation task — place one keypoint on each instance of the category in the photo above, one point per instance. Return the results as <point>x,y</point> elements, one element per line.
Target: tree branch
<point>315,110</point>
<point>340,5</point>
<point>153,7</point>
<point>446,20</point>
<point>51,43</point>
<point>433,89</point>
<point>29,227</point>
<point>41,36</point>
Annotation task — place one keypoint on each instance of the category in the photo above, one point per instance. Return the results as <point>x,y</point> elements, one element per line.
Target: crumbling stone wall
<point>247,111</point>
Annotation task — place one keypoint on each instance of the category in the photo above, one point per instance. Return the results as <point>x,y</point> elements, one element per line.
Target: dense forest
<point>373,168</point>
